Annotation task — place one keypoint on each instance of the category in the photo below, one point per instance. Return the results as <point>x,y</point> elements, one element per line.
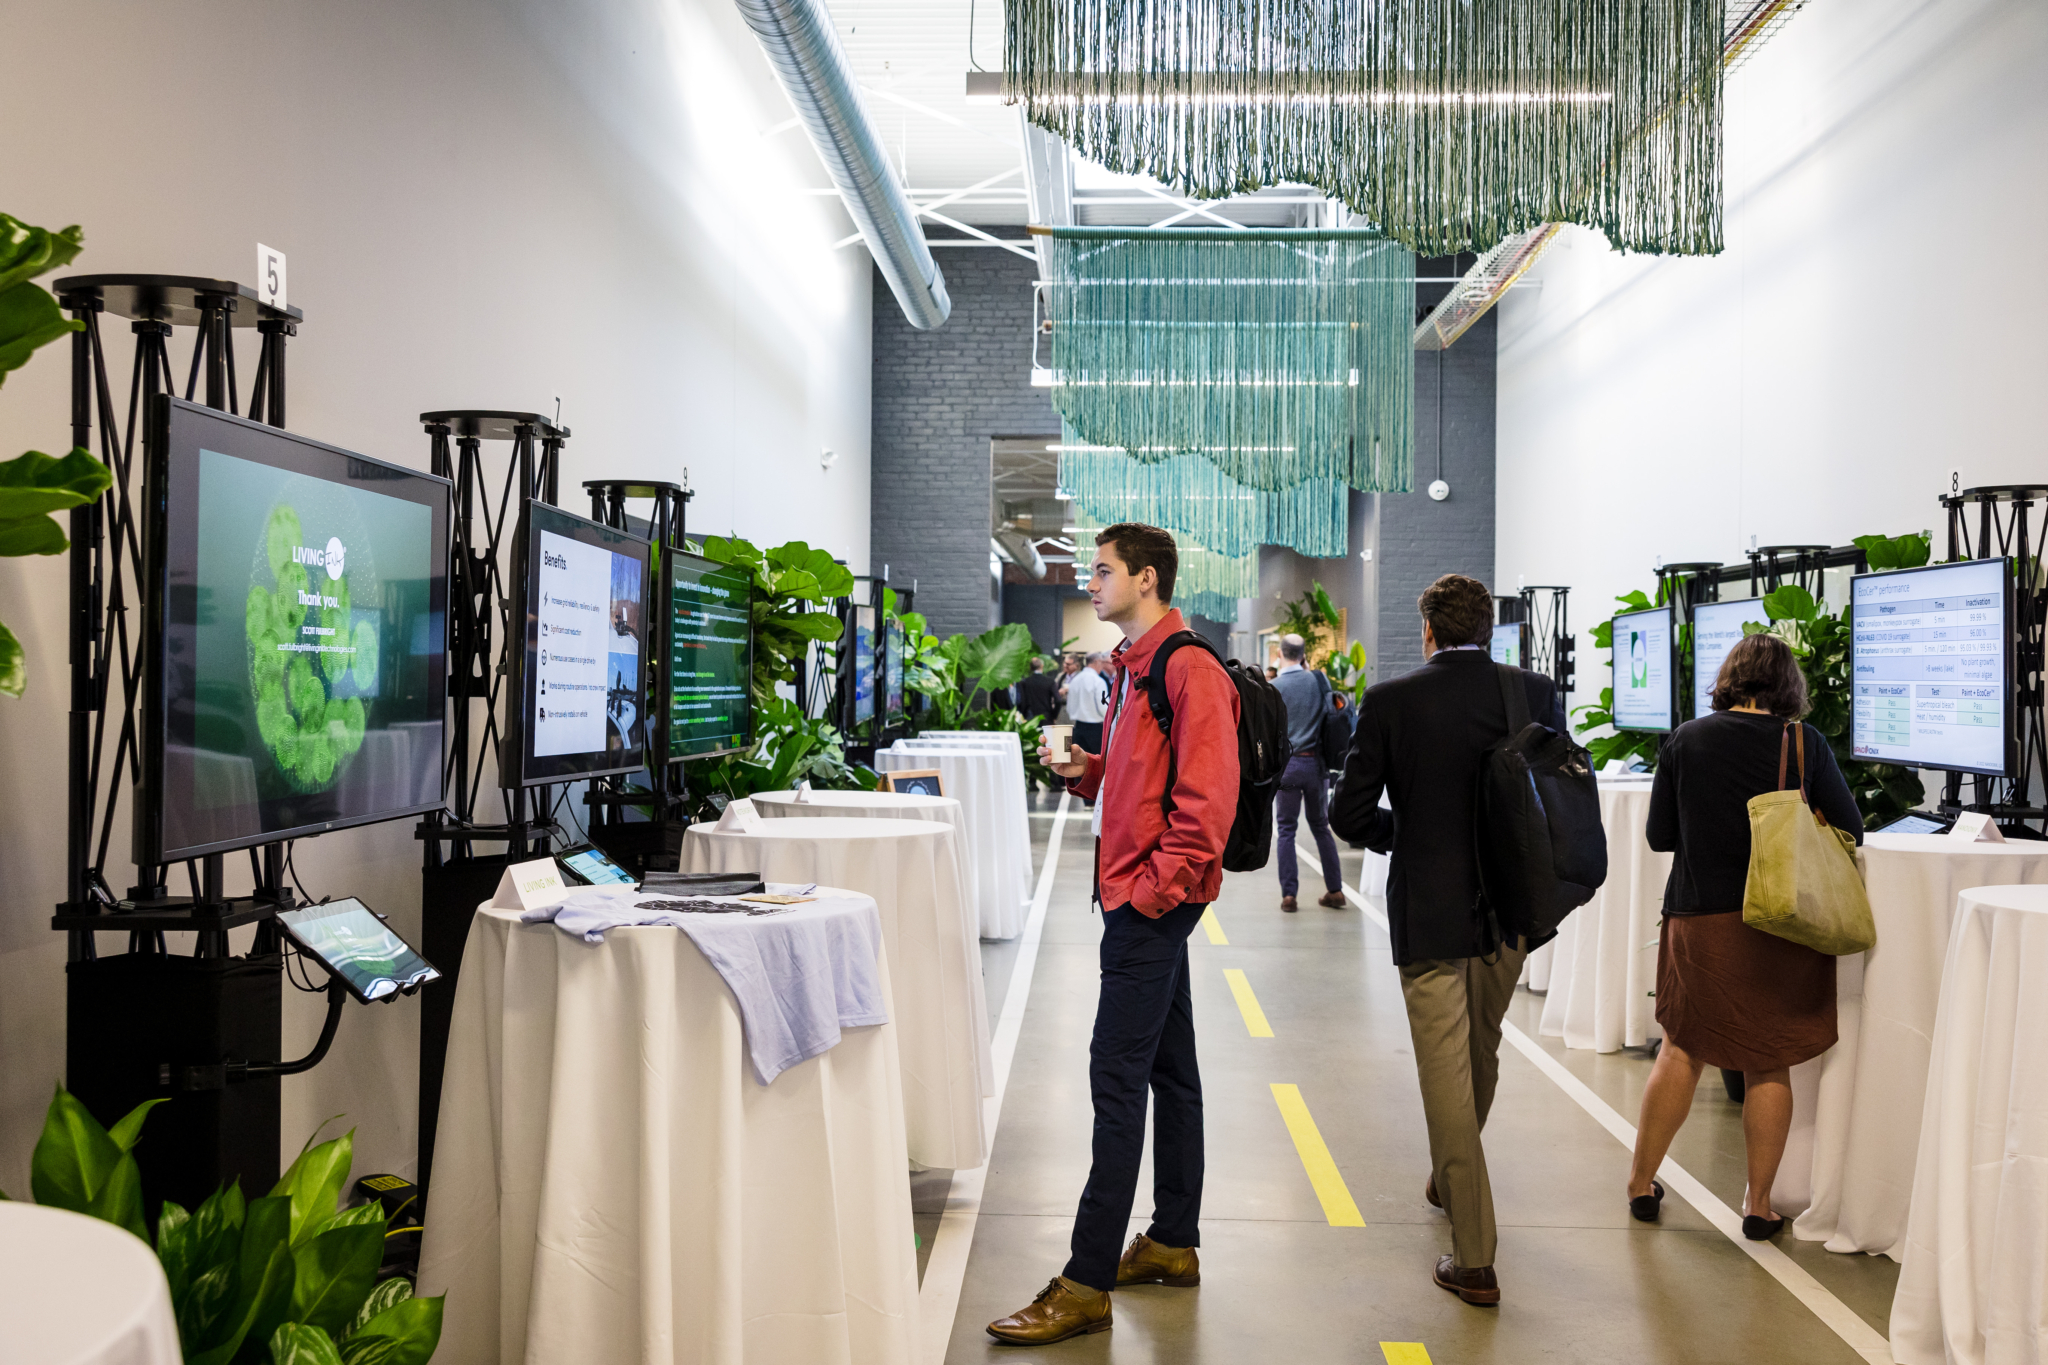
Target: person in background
<point>1307,694</point>
<point>1729,995</point>
<point>1070,664</point>
<point>1157,869</point>
<point>1037,695</point>
<point>1272,672</point>
<point>1422,739</point>
<point>1087,700</point>
<point>1341,704</point>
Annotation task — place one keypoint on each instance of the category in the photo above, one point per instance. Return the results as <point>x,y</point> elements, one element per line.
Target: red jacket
<point>1147,859</point>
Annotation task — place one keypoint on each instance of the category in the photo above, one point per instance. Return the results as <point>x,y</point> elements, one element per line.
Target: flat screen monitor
<point>583,688</point>
<point>355,944</point>
<point>295,675</point>
<point>710,657</point>
<point>1642,670</point>
<point>1716,627</point>
<point>892,671</point>
<point>1511,644</point>
<point>1931,655</point>
<point>861,650</point>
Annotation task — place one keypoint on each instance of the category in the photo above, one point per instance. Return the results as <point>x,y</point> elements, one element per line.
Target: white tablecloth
<point>613,1186</point>
<point>912,869</point>
<point>1601,968</point>
<point>1856,1109</point>
<point>954,739</point>
<point>988,782</point>
<point>860,805</point>
<point>77,1291</point>
<point>1974,1289</point>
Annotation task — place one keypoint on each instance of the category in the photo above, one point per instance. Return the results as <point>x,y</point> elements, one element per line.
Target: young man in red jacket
<point>1158,864</point>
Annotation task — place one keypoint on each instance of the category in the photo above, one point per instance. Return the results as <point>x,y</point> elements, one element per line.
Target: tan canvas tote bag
<point>1803,884</point>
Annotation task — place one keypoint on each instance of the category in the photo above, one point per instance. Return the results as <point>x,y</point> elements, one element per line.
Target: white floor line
<point>1839,1318</point>
<point>945,1270</point>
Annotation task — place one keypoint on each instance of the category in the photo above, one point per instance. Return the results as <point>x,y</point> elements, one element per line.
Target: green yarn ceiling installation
<point>1205,583</point>
<point>1279,356</point>
<point>1448,124</point>
<point>1201,504</point>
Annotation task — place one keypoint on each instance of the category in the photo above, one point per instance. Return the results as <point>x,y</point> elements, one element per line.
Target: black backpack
<point>1261,749</point>
<point>1333,732</point>
<point>1542,851</point>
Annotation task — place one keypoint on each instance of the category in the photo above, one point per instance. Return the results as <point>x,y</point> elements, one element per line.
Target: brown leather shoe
<point>1287,904</point>
<point>1333,901</point>
<point>1473,1284</point>
<point>1053,1316</point>
<point>1147,1262</point>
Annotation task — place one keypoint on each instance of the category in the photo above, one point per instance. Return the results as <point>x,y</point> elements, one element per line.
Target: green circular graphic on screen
<point>312,662</point>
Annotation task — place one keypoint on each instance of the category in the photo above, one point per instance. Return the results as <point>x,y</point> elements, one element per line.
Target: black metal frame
<point>2005,526</point>
<point>1553,650</point>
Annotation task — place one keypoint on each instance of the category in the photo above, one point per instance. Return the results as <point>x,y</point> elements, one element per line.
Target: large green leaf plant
<point>794,587</point>
<point>287,1279</point>
<point>35,485</point>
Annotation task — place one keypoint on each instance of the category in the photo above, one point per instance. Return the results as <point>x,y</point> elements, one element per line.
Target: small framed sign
<point>270,283</point>
<point>913,782</point>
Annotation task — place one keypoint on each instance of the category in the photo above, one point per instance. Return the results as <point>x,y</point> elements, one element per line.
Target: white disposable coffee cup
<point>1056,737</point>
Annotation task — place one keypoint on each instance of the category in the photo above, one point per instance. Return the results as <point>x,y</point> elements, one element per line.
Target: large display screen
<point>1716,628</point>
<point>1642,670</point>
<point>584,686</point>
<point>861,651</point>
<point>1511,644</point>
<point>297,620</point>
<point>710,658</point>
<point>1931,660</point>
<point>892,671</point>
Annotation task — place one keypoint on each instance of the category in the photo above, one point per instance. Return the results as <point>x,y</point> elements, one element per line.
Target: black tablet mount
<point>2005,525</point>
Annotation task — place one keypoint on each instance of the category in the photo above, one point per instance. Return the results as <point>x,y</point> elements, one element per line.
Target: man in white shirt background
<point>1088,702</point>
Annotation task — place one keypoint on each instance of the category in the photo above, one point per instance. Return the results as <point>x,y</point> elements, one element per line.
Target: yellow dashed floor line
<point>1248,1004</point>
<point>1214,927</point>
<point>1338,1206</point>
<point>1404,1353</point>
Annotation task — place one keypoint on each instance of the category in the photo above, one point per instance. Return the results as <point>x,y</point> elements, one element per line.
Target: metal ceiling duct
<point>804,50</point>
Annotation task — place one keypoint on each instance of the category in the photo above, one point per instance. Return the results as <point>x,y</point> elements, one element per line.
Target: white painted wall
<point>484,205</point>
<point>1873,326</point>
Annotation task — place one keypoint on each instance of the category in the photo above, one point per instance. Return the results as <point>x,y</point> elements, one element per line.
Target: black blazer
<point>1420,738</point>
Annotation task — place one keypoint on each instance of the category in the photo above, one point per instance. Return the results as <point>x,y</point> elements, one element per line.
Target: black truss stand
<point>1683,587</point>
<point>456,877</point>
<point>2005,526</point>
<point>1773,566</point>
<point>1552,650</point>
<point>655,843</point>
<point>144,1024</point>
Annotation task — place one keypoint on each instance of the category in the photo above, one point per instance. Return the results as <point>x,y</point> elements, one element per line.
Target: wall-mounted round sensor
<point>1439,490</point>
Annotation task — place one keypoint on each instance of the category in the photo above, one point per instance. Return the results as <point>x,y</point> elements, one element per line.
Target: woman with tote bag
<point>1730,995</point>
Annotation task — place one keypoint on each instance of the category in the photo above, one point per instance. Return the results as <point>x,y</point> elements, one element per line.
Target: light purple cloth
<point>799,976</point>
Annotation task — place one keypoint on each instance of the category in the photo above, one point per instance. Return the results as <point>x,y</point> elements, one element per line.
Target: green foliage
<point>1893,552</point>
<point>1030,733</point>
<point>1312,616</point>
<point>1346,671</point>
<point>35,485</point>
<point>285,1277</point>
<point>789,581</point>
<point>789,747</point>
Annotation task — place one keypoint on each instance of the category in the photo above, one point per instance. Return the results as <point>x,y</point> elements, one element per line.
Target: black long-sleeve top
<point>1699,804</point>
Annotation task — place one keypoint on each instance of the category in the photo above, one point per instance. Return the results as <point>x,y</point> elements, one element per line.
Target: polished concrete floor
<point>1580,1281</point>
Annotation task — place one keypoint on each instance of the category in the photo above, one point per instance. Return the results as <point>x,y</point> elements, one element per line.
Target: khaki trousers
<point>1454,1012</point>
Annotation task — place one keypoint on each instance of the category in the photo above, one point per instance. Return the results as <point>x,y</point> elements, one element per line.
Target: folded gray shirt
<point>799,975</point>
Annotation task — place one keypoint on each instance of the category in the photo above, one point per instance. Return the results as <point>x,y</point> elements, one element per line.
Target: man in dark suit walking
<point>1421,739</point>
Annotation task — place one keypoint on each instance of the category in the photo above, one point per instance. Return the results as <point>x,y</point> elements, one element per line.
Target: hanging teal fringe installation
<point>1205,583</point>
<point>1448,124</point>
<point>1281,357</point>
<point>1201,504</point>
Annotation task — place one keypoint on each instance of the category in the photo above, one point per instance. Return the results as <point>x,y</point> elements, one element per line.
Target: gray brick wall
<point>1419,540</point>
<point>939,397</point>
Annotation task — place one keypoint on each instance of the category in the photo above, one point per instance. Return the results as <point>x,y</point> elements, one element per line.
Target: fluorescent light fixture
<point>984,87</point>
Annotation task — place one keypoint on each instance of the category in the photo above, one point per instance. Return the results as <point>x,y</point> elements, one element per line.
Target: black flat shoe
<point>1644,1208</point>
<point>1761,1229</point>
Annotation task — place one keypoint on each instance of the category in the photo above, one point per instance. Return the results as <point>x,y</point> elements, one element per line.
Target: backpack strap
<point>1155,679</point>
<point>1516,698</point>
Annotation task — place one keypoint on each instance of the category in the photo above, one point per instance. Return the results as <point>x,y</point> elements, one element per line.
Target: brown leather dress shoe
<point>1147,1262</point>
<point>1333,901</point>
<point>1473,1284</point>
<point>1054,1315</point>
<point>1287,904</point>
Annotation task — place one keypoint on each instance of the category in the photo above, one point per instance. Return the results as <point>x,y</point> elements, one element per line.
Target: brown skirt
<point>1741,999</point>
